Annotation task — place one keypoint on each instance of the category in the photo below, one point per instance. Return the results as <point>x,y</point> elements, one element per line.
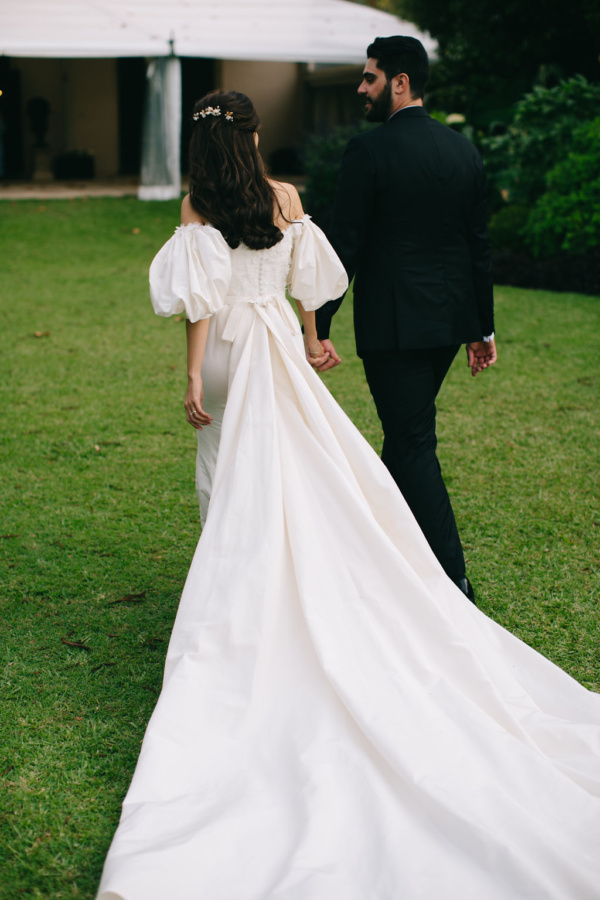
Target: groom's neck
<point>404,102</point>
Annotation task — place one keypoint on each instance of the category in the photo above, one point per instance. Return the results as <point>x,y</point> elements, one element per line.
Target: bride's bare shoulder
<point>288,199</point>
<point>189,214</point>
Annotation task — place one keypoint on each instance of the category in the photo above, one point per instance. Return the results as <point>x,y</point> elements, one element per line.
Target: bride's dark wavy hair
<point>228,184</point>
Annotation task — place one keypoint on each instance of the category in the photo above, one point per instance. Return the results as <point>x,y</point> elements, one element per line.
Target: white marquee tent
<point>317,31</point>
<point>332,31</point>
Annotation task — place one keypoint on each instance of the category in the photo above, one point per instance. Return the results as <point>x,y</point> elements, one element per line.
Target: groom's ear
<point>400,84</point>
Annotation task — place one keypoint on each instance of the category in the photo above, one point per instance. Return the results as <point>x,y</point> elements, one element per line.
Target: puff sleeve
<point>316,274</point>
<point>191,273</point>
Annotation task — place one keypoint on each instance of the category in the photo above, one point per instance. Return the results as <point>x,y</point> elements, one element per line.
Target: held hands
<point>321,355</point>
<point>196,415</point>
<point>481,355</point>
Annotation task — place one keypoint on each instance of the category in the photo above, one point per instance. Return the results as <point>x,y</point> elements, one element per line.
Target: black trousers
<point>404,385</point>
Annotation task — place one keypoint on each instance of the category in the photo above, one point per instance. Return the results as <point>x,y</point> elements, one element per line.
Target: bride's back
<point>228,185</point>
<point>260,276</point>
<point>286,208</point>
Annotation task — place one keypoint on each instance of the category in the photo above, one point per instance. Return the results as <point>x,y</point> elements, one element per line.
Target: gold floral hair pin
<point>211,111</point>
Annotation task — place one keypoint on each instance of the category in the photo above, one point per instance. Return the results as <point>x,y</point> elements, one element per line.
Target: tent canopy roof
<point>332,31</point>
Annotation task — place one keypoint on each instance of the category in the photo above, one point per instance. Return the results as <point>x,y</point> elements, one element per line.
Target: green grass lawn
<point>99,518</point>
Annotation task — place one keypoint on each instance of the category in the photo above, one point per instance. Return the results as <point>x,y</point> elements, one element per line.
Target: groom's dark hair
<point>402,54</point>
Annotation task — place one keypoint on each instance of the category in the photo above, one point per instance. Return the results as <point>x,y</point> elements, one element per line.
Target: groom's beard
<point>380,106</point>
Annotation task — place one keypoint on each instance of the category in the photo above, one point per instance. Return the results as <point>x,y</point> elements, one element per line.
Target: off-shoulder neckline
<point>189,225</point>
<point>302,221</point>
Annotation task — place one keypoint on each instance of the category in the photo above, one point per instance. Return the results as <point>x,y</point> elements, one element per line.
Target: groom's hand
<point>332,360</point>
<point>481,355</point>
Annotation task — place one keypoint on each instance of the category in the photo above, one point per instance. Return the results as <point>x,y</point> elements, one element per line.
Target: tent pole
<point>65,106</point>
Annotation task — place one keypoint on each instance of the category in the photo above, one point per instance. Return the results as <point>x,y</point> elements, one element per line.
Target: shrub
<point>506,227</point>
<point>539,137</point>
<point>576,274</point>
<point>322,157</point>
<point>567,216</point>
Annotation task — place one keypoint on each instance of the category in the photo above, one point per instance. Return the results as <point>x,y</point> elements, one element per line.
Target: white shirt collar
<point>410,106</point>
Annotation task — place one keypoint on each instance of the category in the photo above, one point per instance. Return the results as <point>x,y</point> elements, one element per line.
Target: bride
<point>337,720</point>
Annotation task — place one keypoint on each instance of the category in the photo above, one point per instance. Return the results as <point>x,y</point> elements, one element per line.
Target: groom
<point>409,221</point>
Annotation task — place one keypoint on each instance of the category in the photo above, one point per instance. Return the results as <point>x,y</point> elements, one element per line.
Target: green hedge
<point>566,218</point>
<point>539,137</point>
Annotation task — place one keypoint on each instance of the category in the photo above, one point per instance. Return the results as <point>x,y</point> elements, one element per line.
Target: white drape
<point>161,168</point>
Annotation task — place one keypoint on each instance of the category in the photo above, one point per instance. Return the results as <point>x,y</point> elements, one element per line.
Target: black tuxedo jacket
<point>409,221</point>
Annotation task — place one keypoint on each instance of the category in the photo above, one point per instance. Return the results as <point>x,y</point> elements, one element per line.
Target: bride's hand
<point>196,415</point>
<point>315,353</point>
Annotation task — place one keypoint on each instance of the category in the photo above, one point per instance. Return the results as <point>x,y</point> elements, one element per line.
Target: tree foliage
<point>540,136</point>
<point>490,52</point>
<point>567,215</point>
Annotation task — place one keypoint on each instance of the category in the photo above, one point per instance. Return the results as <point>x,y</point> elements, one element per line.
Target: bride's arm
<point>312,344</point>
<point>320,354</point>
<point>196,334</point>
<point>290,208</point>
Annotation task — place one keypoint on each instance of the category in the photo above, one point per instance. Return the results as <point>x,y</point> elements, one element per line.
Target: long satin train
<point>337,721</point>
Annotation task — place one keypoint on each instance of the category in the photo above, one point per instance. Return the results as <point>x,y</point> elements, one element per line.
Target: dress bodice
<point>260,276</point>
<point>196,271</point>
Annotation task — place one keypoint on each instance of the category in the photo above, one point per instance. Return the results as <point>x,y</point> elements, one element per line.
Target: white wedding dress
<point>337,722</point>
